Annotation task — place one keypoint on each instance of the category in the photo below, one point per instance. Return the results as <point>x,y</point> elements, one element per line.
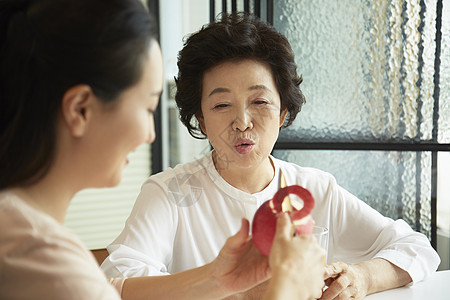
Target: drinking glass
<point>321,235</point>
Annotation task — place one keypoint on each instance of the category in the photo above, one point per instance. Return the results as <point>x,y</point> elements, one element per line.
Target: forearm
<point>254,293</point>
<point>277,291</point>
<point>382,275</point>
<point>238,267</point>
<point>198,283</point>
<point>283,286</point>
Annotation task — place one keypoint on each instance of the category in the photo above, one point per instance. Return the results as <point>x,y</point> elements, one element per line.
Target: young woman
<point>237,86</point>
<point>79,81</point>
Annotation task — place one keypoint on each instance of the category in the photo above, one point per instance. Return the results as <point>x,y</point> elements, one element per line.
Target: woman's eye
<point>259,102</point>
<point>220,105</point>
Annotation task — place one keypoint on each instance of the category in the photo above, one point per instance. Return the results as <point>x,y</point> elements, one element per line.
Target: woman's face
<point>127,123</point>
<point>240,113</point>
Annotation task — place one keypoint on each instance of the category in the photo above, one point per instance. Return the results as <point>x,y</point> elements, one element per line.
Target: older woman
<point>237,86</point>
<point>79,81</point>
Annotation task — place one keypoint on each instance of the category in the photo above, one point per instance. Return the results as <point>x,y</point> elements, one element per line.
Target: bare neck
<point>250,180</point>
<point>51,195</point>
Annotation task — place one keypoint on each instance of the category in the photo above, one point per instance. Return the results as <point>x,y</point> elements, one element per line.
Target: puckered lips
<point>244,145</point>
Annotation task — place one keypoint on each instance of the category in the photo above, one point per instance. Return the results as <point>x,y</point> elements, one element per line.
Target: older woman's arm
<point>380,253</point>
<point>358,280</point>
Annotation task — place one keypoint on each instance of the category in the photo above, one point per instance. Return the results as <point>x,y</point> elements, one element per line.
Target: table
<point>435,287</point>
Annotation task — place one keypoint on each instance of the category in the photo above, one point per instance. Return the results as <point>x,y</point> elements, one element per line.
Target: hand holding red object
<point>265,219</point>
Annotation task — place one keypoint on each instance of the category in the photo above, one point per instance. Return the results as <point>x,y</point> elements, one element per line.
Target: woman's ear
<point>201,122</point>
<point>283,115</point>
<point>76,108</point>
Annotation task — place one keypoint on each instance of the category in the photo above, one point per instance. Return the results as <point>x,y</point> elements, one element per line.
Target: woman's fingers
<point>333,270</point>
<point>241,236</point>
<point>284,226</point>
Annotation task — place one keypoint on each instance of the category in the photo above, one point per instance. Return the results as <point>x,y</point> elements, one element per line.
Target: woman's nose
<point>243,121</point>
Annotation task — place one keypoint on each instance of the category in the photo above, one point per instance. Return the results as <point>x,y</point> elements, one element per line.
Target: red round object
<point>265,219</point>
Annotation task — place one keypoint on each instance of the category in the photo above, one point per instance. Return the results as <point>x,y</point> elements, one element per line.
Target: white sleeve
<point>145,246</point>
<point>359,233</point>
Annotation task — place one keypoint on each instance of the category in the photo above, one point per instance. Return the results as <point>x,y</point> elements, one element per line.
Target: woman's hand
<point>356,281</point>
<point>239,265</point>
<point>345,281</point>
<point>297,264</point>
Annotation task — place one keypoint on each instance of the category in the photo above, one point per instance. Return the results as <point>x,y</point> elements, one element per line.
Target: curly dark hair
<point>235,36</point>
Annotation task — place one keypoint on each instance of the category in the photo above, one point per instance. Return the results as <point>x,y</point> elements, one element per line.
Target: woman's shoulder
<point>16,214</point>
<point>28,224</point>
<point>310,178</point>
<point>36,249</point>
<point>301,171</point>
<point>32,233</point>
<point>194,170</point>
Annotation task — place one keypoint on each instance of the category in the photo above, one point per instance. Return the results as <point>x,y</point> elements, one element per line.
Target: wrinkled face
<point>128,123</point>
<point>240,113</point>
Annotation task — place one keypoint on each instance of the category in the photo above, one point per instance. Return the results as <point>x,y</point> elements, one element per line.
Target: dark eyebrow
<point>253,87</point>
<point>259,87</point>
<point>219,90</point>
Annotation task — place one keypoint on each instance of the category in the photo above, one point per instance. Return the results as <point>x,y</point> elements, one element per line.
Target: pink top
<point>41,259</point>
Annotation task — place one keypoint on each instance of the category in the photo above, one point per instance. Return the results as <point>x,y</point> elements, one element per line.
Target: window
<point>377,84</point>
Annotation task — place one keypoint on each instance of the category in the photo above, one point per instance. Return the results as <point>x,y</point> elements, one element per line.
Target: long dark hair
<point>48,46</point>
<point>234,37</point>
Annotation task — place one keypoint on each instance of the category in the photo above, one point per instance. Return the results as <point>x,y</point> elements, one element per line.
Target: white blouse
<point>183,216</point>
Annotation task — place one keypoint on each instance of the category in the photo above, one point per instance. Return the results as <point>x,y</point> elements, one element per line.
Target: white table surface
<point>435,287</point>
